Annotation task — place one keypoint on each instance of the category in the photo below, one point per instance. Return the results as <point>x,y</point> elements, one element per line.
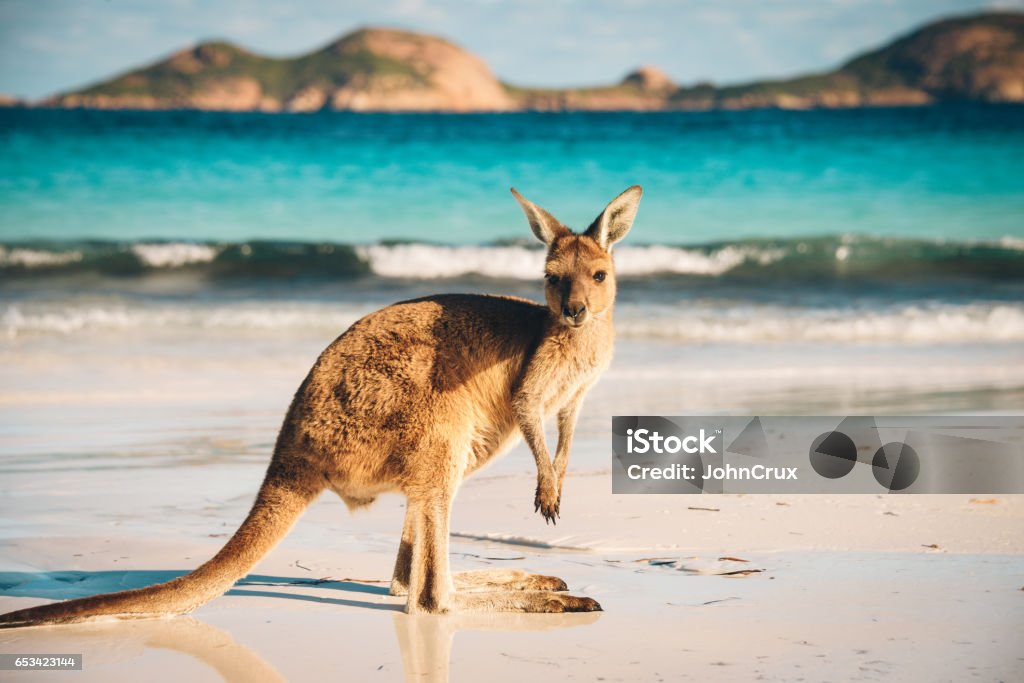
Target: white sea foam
<point>27,320</point>
<point>639,261</point>
<point>907,325</point>
<point>427,261</point>
<point>34,258</point>
<point>173,254</point>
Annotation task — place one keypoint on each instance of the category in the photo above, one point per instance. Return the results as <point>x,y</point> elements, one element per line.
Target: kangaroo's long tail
<point>282,498</point>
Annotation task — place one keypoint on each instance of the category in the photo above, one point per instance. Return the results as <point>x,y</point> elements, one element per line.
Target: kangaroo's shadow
<point>64,585</point>
<point>425,642</point>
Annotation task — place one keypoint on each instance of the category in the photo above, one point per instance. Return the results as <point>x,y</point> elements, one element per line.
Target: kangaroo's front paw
<point>546,500</point>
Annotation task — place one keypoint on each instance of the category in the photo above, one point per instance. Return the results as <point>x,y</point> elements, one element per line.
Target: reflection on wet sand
<point>211,646</point>
<point>426,640</point>
<point>186,635</point>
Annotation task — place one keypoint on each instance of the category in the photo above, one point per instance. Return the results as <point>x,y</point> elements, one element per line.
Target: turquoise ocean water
<point>943,172</point>
<point>904,225</point>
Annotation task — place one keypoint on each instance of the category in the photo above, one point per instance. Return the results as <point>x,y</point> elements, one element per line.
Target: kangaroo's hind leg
<point>403,563</point>
<point>430,579</point>
<point>431,585</point>
<point>468,581</point>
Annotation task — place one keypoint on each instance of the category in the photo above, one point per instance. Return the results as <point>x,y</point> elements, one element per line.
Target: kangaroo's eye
<point>600,275</point>
<point>552,279</point>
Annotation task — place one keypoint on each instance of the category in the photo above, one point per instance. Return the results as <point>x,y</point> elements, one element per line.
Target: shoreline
<point>838,107</point>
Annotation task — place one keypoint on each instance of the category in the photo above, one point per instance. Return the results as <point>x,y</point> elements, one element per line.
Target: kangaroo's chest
<point>579,374</point>
<point>565,381</point>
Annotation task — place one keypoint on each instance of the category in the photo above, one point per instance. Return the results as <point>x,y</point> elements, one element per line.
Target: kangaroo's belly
<point>490,440</point>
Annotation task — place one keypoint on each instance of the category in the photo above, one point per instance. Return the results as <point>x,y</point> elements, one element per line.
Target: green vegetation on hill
<point>193,70</point>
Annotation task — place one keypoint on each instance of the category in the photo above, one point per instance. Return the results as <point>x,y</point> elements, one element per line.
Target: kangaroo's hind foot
<point>547,602</point>
<point>491,580</point>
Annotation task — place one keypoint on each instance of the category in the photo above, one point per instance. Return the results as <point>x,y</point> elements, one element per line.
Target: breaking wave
<point>816,258</point>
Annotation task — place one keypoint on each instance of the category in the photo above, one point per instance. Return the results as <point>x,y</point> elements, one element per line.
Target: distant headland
<point>976,58</point>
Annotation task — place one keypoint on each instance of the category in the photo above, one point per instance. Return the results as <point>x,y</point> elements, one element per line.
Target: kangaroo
<point>413,399</point>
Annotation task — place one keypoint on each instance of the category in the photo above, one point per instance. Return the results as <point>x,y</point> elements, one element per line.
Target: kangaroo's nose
<point>573,310</point>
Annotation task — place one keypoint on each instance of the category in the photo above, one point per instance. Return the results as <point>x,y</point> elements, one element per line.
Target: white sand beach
<point>129,460</point>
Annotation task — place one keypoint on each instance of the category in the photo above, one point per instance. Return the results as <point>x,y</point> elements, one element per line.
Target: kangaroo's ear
<point>545,226</point>
<point>616,219</point>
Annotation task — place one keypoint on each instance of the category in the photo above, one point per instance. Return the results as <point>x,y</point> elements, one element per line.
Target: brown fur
<point>413,399</point>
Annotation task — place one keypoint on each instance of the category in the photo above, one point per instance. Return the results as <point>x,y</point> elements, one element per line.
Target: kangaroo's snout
<point>575,313</point>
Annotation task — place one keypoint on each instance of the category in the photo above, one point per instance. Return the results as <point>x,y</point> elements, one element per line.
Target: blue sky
<point>51,45</point>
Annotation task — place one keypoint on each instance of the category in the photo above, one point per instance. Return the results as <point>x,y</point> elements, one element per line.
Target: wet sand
<point>128,461</point>
<point>827,588</point>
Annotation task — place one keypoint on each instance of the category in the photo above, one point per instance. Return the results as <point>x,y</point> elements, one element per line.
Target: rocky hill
<point>978,57</point>
<point>371,69</point>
